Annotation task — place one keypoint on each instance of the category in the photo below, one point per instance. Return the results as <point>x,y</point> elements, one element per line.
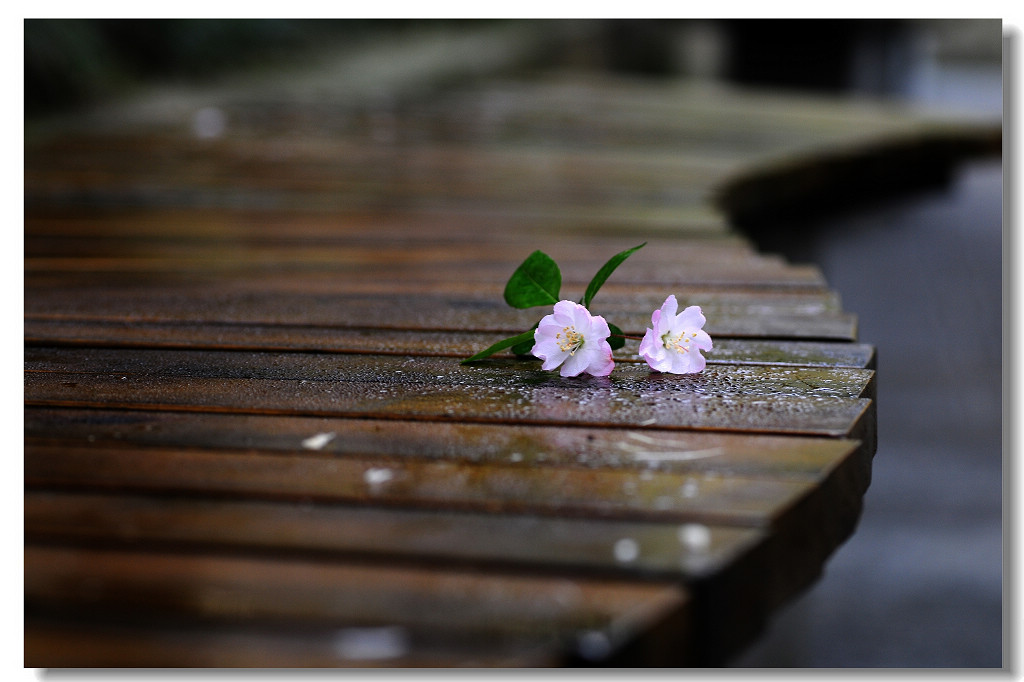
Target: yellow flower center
<point>569,340</point>
<point>679,343</point>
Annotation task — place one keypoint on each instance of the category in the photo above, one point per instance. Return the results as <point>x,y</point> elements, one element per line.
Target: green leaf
<point>524,347</point>
<point>606,271</point>
<point>616,340</point>
<point>535,282</point>
<point>501,345</point>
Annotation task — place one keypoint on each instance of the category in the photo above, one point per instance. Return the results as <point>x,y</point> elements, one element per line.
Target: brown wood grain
<point>551,544</point>
<point>801,403</point>
<point>428,311</point>
<point>159,589</point>
<point>451,343</point>
<point>67,643</point>
<point>249,440</point>
<point>388,370</point>
<point>633,448</point>
<point>678,498</point>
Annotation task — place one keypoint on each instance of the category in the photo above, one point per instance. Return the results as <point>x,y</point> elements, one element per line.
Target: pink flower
<point>573,339</point>
<point>675,343</point>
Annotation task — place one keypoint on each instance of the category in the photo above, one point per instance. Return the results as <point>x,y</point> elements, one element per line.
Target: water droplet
<point>626,550</point>
<point>664,502</point>
<point>695,536</point>
<point>593,645</point>
<point>371,643</point>
<point>376,477</point>
<point>689,489</point>
<point>318,441</point>
<point>209,123</point>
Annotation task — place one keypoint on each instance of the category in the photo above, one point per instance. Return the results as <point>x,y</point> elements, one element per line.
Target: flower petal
<point>661,363</point>
<point>691,318</point>
<point>648,343</point>
<point>575,364</point>
<point>599,330</point>
<point>550,353</point>
<point>702,340</point>
<point>603,363</point>
<point>688,363</point>
<point>669,307</point>
<point>564,314</point>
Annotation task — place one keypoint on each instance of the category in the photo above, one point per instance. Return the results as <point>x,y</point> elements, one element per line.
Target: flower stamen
<point>571,341</point>
<point>678,343</point>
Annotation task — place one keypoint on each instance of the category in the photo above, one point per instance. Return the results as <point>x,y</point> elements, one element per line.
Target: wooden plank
<point>784,414</point>
<point>722,380</point>
<point>571,546</point>
<point>87,643</point>
<point>361,173</point>
<point>423,311</point>
<point>710,559</point>
<point>344,266</point>
<point>355,173</point>
<point>596,493</point>
<point>404,252</point>
<point>831,463</point>
<point>257,225</point>
<point>388,295</point>
<point>796,540</point>
<point>454,344</point>
<point>349,237</point>
<point>48,227</point>
<point>634,448</point>
<point>338,268</point>
<point>743,398</point>
<point>157,589</point>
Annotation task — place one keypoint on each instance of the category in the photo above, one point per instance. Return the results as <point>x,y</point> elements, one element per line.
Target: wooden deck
<point>249,440</point>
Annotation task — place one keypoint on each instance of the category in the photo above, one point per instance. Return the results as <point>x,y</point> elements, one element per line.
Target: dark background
<point>920,584</point>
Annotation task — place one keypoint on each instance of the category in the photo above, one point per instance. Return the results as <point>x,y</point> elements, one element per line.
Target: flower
<point>675,343</point>
<point>573,339</point>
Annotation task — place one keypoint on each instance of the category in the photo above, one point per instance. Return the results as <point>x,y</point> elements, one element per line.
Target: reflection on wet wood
<point>517,378</point>
<point>554,402</point>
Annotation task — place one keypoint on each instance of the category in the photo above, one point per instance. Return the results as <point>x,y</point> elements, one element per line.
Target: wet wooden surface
<point>249,440</point>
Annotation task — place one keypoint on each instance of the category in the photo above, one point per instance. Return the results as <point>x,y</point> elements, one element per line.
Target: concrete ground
<point>920,582</point>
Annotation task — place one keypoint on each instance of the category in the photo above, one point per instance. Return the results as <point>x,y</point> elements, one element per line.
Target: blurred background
<point>920,584</point>
<point>953,63</point>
